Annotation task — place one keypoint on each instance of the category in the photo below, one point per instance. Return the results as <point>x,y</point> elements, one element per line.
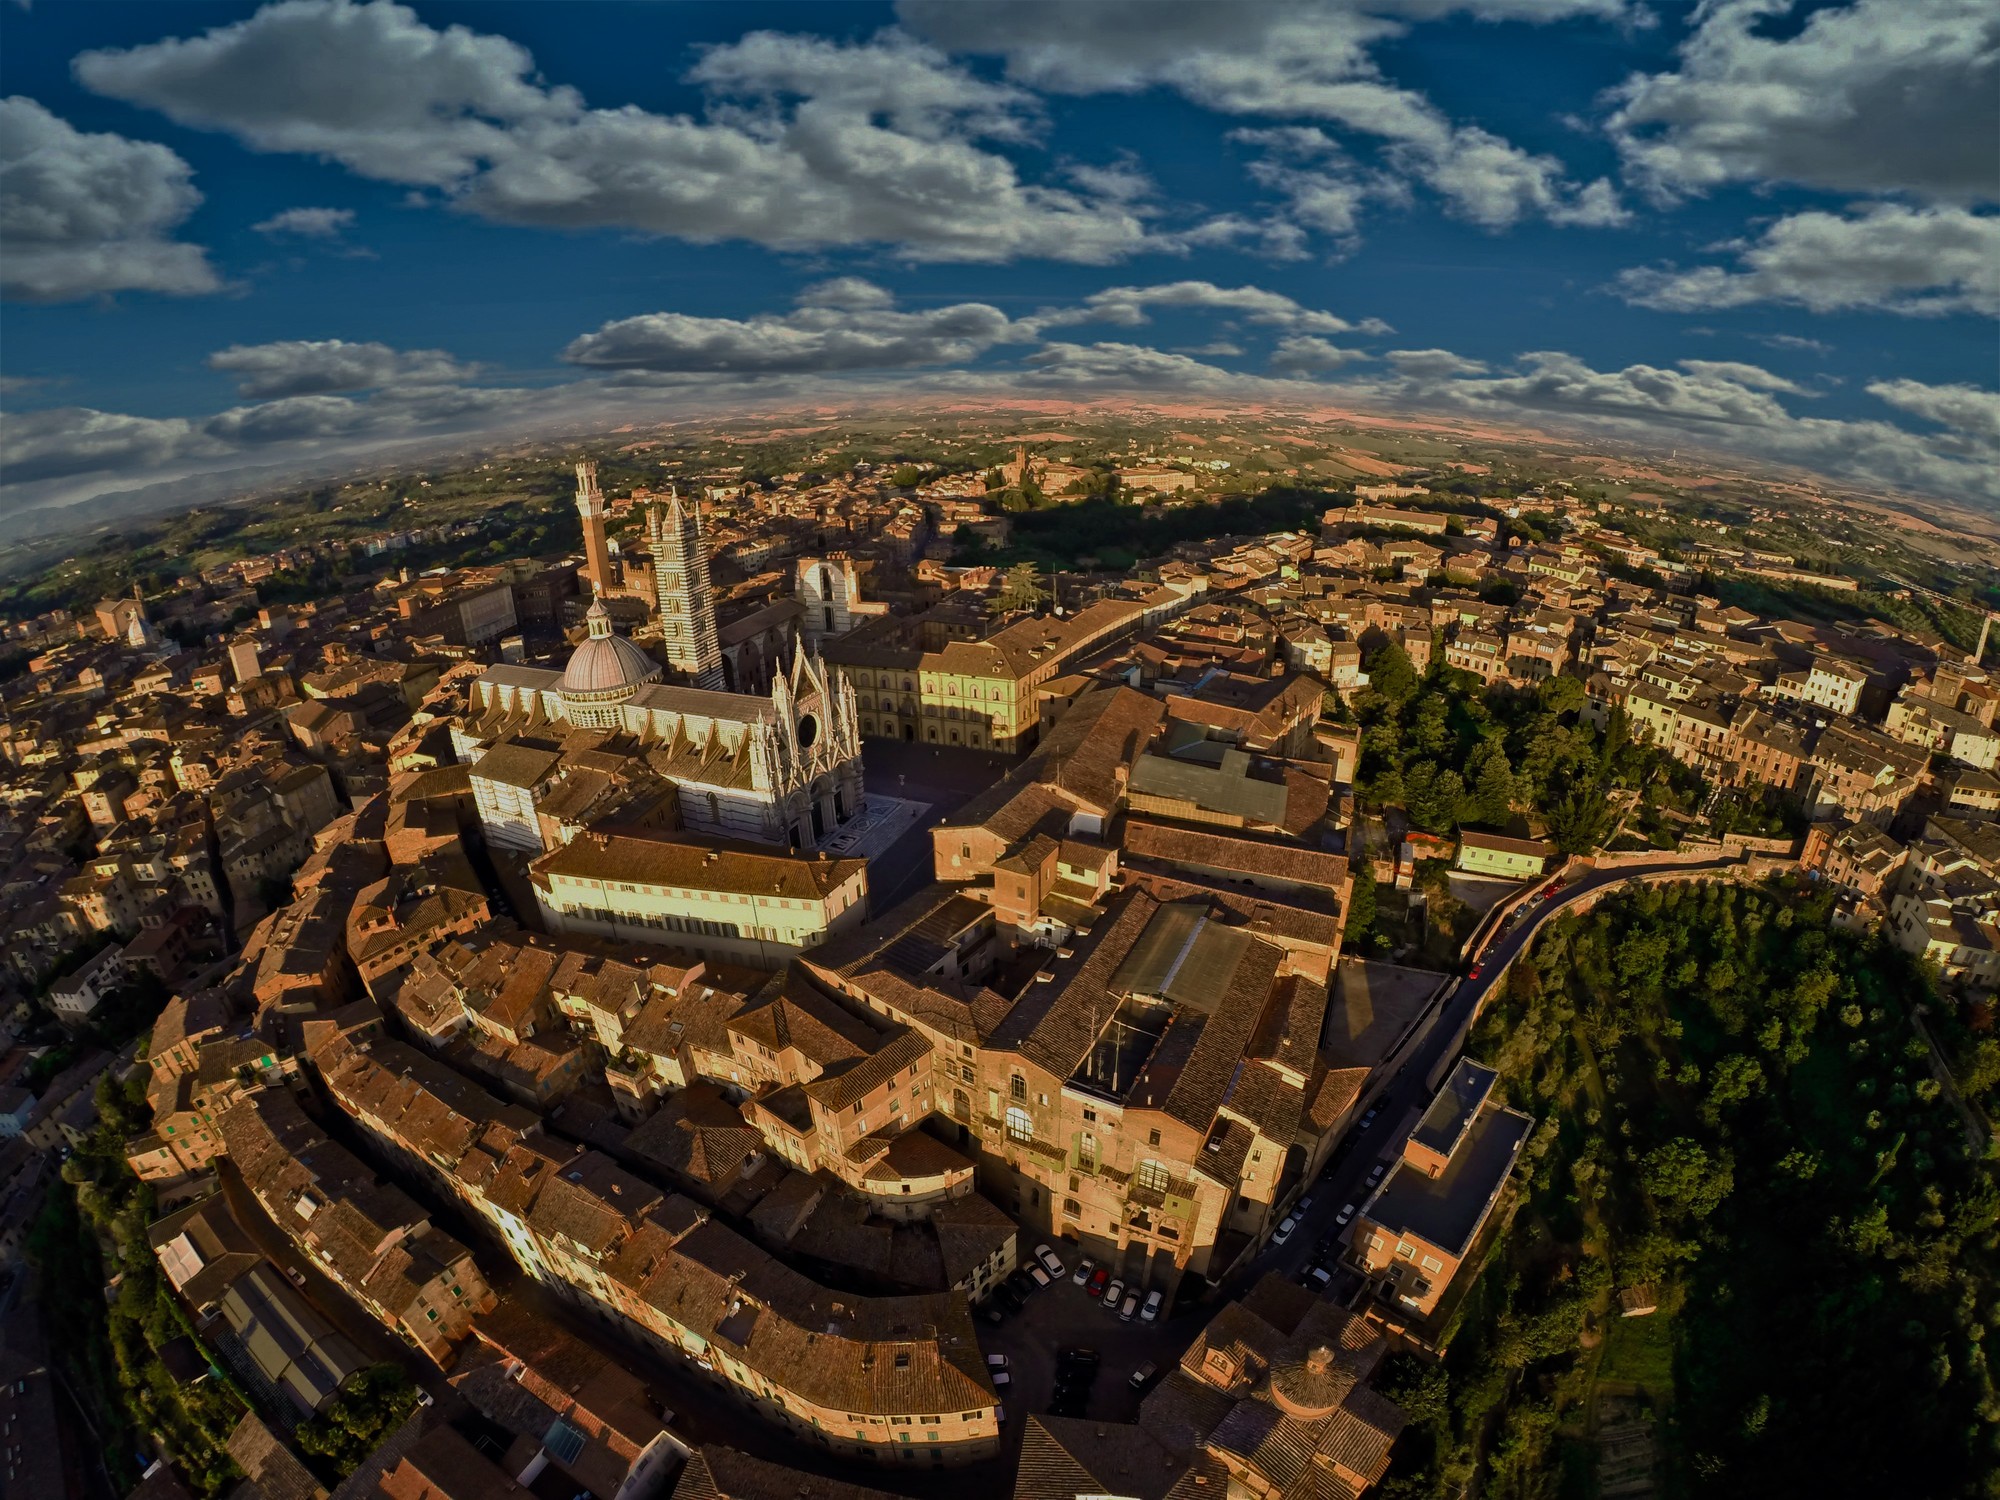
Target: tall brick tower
<point>687,601</point>
<point>596,550</point>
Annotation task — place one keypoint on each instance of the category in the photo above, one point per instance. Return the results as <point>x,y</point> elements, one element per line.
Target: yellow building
<point>724,902</point>
<point>1503,858</point>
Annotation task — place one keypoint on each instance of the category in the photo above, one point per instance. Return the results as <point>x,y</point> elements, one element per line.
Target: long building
<point>894,1379</point>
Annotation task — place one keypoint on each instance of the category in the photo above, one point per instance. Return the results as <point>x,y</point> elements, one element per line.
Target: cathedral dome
<point>607,665</point>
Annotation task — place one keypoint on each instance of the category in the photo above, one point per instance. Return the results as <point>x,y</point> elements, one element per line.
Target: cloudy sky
<point>233,234</point>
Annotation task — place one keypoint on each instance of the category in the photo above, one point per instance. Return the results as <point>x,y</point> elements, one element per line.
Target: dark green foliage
<point>1451,752</point>
<point>93,1228</point>
<point>1739,1115</point>
<point>372,1405</point>
<point>1061,532</point>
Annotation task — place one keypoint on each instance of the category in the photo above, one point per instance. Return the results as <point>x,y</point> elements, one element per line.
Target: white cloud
<point>847,324</point>
<point>1431,364</point>
<point>1880,96</point>
<point>1127,307</point>
<point>1297,58</point>
<point>1733,408</point>
<point>1127,367</point>
<point>1306,354</point>
<point>308,223</point>
<point>1966,411</point>
<point>62,441</point>
<point>305,399</point>
<point>1793,341</point>
<point>82,215</point>
<point>300,367</point>
<point>1919,261</point>
<point>805,143</point>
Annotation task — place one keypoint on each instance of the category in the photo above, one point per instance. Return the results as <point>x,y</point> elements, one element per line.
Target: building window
<point>1017,1087</point>
<point>1152,1137</point>
<point>1020,1125</point>
<point>1152,1176</point>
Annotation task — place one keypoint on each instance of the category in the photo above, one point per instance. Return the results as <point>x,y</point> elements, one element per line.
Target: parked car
<point>1041,1277</point>
<point>1077,1355</point>
<point>1112,1293</point>
<point>1000,1379</point>
<point>1131,1308</point>
<point>1346,1213</point>
<point>1474,971</point>
<point>1285,1230</point>
<point>1375,1172</point>
<point>1144,1373</point>
<point>1098,1278</point>
<point>1367,1120</point>
<point>1000,1412</point>
<point>1050,1261</point>
<point>1299,1208</point>
<point>1152,1308</point>
<point>1083,1269</point>
<point>994,1312</point>
<point>996,1361</point>
<point>1317,1276</point>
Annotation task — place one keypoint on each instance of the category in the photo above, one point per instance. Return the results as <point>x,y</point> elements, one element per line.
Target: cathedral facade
<point>780,765</point>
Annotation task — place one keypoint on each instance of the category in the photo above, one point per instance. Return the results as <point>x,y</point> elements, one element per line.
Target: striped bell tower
<point>687,599</point>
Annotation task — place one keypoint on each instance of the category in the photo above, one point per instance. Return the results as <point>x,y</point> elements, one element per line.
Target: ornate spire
<point>687,602</point>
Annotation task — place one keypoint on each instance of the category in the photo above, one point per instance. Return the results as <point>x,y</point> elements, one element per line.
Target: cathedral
<point>781,767</point>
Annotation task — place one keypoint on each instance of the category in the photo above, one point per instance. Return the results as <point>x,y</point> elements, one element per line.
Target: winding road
<point>1399,1106</point>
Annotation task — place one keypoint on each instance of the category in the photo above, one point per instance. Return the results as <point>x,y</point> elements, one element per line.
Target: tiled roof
<point>739,869</point>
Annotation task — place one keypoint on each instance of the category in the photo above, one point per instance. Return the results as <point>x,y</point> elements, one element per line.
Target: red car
<point>1098,1279</point>
<point>1473,972</point>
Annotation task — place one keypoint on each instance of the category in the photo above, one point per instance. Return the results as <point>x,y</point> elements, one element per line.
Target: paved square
<point>882,821</point>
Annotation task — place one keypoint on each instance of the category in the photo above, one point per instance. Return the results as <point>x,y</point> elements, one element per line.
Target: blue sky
<point>233,234</point>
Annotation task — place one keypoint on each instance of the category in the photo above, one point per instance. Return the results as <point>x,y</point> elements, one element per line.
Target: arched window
<point>1020,1124</point>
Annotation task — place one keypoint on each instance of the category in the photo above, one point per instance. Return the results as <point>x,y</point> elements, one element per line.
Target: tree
<point>1580,821</point>
<point>1683,1176</point>
<point>1361,901</point>
<point>1492,784</point>
<point>1021,588</point>
<point>360,1417</point>
<point>1432,796</point>
<point>1561,695</point>
<point>1391,675</point>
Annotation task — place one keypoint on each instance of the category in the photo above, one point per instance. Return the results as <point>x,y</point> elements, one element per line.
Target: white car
<point>996,1361</point>
<point>1145,1372</point>
<point>999,1378</point>
<point>1049,1260</point>
<point>1285,1230</point>
<point>1042,1278</point>
<point>1346,1213</point>
<point>1375,1175</point>
<point>1112,1293</point>
<point>1083,1269</point>
<point>1152,1308</point>
<point>1131,1308</point>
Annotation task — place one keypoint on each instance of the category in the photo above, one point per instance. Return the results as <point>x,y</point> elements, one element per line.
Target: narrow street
<point>1401,1103</point>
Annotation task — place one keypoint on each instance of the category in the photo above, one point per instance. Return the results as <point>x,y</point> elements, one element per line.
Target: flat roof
<point>1446,1210</point>
<point>1455,1107</point>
